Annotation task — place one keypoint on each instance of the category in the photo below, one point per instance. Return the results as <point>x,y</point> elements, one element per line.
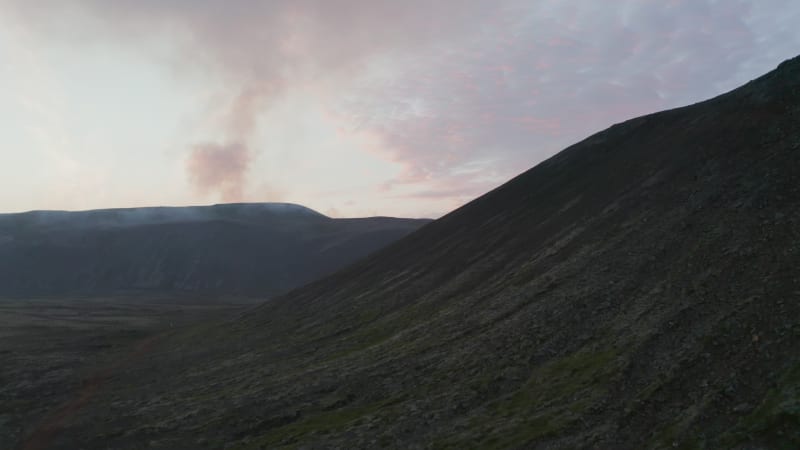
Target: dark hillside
<point>232,250</point>
<point>638,290</point>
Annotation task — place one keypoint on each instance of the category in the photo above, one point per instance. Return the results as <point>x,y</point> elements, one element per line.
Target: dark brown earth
<point>638,290</point>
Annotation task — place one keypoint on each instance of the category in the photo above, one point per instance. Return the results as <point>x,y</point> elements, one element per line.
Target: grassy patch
<point>669,437</point>
<point>320,423</point>
<point>555,396</point>
<point>776,421</point>
<point>561,379</point>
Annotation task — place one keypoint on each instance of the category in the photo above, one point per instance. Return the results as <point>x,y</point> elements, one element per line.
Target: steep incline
<point>637,290</point>
<point>233,249</point>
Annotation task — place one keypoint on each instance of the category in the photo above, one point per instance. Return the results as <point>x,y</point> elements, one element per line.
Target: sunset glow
<point>349,107</point>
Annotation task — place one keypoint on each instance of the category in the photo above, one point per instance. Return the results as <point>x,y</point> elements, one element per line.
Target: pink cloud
<point>468,91</point>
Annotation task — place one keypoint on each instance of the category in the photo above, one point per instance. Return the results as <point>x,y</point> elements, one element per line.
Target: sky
<point>353,108</point>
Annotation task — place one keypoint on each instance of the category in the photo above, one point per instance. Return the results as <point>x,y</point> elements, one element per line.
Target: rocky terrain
<point>637,290</point>
<point>56,353</point>
<point>232,249</point>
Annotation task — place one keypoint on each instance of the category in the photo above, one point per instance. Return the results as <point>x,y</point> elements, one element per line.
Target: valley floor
<point>57,353</point>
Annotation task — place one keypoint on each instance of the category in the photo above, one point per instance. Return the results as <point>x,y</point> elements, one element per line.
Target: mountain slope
<point>637,290</point>
<point>233,249</point>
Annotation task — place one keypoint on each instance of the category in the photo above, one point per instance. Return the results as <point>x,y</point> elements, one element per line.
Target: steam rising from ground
<point>221,168</point>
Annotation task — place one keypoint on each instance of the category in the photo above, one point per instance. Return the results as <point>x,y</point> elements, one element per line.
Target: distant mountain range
<point>257,249</point>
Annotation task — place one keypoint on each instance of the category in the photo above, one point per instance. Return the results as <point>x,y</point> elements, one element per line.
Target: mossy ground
<point>776,421</point>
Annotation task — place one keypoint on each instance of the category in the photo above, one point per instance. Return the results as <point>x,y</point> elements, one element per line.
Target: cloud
<point>459,94</point>
<point>543,75</point>
<point>259,49</point>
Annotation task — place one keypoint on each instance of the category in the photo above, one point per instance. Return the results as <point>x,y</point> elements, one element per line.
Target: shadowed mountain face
<point>233,249</point>
<point>637,290</point>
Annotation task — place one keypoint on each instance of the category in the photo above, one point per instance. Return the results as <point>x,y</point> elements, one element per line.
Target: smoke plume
<point>219,168</point>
